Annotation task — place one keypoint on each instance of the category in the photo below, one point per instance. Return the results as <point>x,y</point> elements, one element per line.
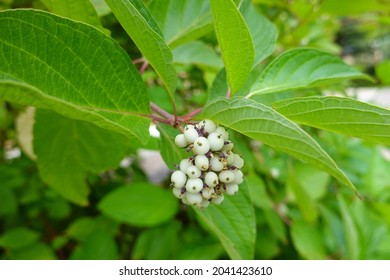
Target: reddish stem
<point>191,114</point>
<point>161,111</point>
<point>138,60</point>
<point>143,67</point>
<point>228,93</point>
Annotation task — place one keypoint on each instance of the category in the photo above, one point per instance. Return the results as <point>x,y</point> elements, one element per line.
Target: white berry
<point>228,147</point>
<point>190,133</point>
<point>202,162</point>
<point>193,172</point>
<point>180,141</point>
<point>211,179</point>
<point>201,146</point>
<point>207,193</point>
<point>217,200</point>
<point>226,176</point>
<point>194,185</point>
<point>205,203</point>
<point>229,157</point>
<point>221,130</point>
<point>178,179</point>
<point>184,164</point>
<point>208,126</point>
<point>231,189</point>
<point>216,141</point>
<point>238,177</point>
<point>215,164</point>
<point>238,161</point>
<point>193,198</point>
<point>177,192</point>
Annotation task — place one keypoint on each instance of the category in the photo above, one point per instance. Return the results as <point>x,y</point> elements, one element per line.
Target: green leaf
<point>157,243</point>
<point>68,149</point>
<point>234,223</point>
<point>268,126</point>
<point>382,71</point>
<point>18,237</point>
<point>100,245</point>
<point>235,42</point>
<point>182,20</point>
<point>9,203</point>
<point>276,224</point>
<point>303,68</point>
<point>101,7</point>
<point>197,53</point>
<point>219,86</point>
<point>98,82</point>
<point>258,192</point>
<point>339,114</point>
<point>80,10</point>
<point>313,181</point>
<point>37,251</point>
<point>264,33</point>
<point>140,204</point>
<point>306,203</point>
<point>351,233</point>
<point>170,153</point>
<point>144,31</point>
<point>308,241</point>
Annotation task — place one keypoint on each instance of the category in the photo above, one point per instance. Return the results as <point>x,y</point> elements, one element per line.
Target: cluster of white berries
<point>213,170</point>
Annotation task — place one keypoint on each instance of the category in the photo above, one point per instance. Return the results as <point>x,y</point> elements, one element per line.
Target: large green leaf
<point>54,63</point>
<point>81,10</point>
<point>264,33</point>
<point>197,53</point>
<point>182,20</point>
<point>235,41</point>
<point>234,223</point>
<point>140,204</point>
<point>339,114</point>
<point>264,124</point>
<point>68,149</point>
<point>144,31</point>
<point>302,68</point>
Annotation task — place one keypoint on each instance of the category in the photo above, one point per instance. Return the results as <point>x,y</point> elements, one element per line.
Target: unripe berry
<point>216,141</point>
<point>180,141</point>
<point>202,162</point>
<point>194,185</point>
<point>215,164</point>
<point>190,133</point>
<point>208,126</point>
<point>238,161</point>
<point>184,164</point>
<point>193,172</point>
<point>217,200</point>
<point>221,130</point>
<point>201,146</point>
<point>211,179</point>
<point>238,177</point>
<point>231,189</point>
<point>193,198</point>
<point>178,179</point>
<point>226,176</point>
